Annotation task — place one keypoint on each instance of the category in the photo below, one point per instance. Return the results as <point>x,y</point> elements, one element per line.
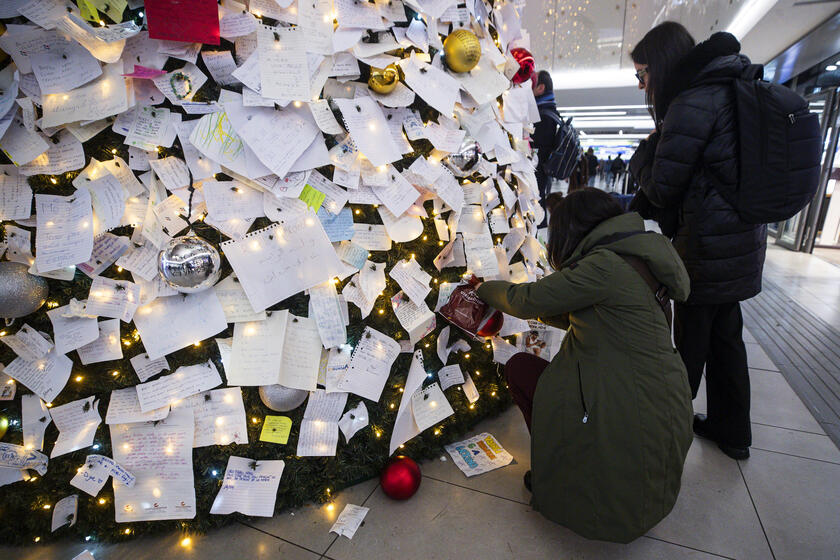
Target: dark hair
<point>544,78</point>
<point>661,49</point>
<point>574,217</point>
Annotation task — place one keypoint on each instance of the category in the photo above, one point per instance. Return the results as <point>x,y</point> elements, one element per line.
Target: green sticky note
<point>312,197</point>
<point>88,11</point>
<point>114,8</point>
<point>276,429</point>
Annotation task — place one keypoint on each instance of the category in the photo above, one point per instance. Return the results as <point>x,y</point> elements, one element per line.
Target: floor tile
<point>510,430</point>
<point>797,500</point>
<point>773,402</point>
<point>446,521</point>
<point>309,526</point>
<point>757,358</point>
<point>713,511</point>
<point>793,442</point>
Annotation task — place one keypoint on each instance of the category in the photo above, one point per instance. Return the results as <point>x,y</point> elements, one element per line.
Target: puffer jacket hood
<point>655,250</point>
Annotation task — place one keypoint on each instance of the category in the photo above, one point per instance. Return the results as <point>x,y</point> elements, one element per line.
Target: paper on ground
<point>349,520</point>
<point>478,454</point>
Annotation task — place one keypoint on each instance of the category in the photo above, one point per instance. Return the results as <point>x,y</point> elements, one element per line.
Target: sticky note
<point>276,429</point>
<point>88,11</point>
<point>312,197</point>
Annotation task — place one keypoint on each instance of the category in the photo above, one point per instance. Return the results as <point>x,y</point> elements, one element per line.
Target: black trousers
<point>710,336</point>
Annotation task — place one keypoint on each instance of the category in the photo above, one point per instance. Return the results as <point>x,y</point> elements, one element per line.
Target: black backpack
<point>565,151</point>
<point>780,149</point>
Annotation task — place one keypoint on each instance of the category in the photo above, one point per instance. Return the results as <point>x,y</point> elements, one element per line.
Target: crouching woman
<point>610,416</point>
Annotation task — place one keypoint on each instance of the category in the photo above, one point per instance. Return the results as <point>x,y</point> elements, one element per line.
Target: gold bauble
<point>462,50</point>
<point>384,80</point>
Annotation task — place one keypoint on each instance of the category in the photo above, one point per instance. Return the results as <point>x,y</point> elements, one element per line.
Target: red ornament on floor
<point>400,478</point>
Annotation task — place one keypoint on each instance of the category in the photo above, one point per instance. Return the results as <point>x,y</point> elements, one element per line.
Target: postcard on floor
<point>478,454</point>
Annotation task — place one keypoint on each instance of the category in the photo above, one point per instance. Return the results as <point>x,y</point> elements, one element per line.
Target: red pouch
<point>469,313</point>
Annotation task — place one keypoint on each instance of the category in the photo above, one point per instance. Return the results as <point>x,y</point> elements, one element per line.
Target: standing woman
<point>610,416</point>
<point>694,148</point>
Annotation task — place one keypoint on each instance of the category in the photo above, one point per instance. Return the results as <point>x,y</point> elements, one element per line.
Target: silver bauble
<point>189,264</point>
<point>280,398</point>
<point>21,293</point>
<point>463,161</point>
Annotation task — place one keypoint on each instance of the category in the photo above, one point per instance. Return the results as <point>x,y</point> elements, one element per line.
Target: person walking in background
<point>618,169</point>
<point>608,170</point>
<point>610,415</point>
<point>592,162</point>
<point>678,167</point>
<point>544,131</point>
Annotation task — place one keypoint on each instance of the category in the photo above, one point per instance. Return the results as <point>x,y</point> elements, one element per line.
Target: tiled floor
<point>782,503</point>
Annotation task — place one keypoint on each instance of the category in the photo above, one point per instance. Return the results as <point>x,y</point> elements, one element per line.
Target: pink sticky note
<point>189,21</point>
<point>145,73</point>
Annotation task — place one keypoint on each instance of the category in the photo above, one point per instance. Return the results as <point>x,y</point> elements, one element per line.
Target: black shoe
<point>701,428</point>
<point>527,481</point>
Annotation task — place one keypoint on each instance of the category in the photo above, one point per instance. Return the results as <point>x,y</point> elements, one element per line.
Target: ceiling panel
<point>588,34</point>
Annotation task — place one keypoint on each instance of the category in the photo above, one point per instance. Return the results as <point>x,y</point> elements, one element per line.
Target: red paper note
<point>190,21</point>
<point>144,73</point>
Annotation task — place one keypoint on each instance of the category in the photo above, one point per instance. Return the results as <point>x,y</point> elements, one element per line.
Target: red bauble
<point>491,325</point>
<point>526,65</point>
<point>400,478</point>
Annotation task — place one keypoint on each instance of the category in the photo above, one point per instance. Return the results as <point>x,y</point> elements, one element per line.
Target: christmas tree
<point>396,113</point>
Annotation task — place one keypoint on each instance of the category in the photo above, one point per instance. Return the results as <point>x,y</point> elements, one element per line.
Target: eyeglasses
<point>640,75</point>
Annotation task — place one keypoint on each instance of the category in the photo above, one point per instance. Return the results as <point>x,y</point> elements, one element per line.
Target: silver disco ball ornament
<point>280,398</point>
<point>21,293</point>
<point>463,161</point>
<point>189,264</point>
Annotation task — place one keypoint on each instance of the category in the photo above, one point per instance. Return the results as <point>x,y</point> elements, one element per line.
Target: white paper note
<point>219,417</point>
<point>106,347</point>
<point>249,487</point>
<point>45,377</point>
<point>65,230</point>
<point>170,323</point>
<point>366,122</point>
<point>279,261</point>
<point>145,367</point>
<point>349,521</point>
<point>35,417</point>
<point>319,427</point>
<point>113,298</point>
<point>159,455</point>
<point>323,301</point>
<point>65,512</point>
<point>184,382</point>
<point>76,422</point>
<point>370,365</point>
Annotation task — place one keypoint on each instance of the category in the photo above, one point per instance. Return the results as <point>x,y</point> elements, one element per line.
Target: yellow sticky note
<point>276,429</point>
<point>114,8</point>
<point>88,11</point>
<point>312,197</point>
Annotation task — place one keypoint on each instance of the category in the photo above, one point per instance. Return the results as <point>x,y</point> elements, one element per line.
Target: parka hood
<point>654,249</point>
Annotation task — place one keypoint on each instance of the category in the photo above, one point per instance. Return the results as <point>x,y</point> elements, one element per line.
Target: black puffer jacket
<point>696,148</point>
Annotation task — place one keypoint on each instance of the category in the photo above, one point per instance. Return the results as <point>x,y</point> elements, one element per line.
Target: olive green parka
<point>612,413</point>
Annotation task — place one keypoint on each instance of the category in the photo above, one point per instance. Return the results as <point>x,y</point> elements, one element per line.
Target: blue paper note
<point>338,227</point>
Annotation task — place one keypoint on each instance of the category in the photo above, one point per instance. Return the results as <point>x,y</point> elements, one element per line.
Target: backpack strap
<point>660,291</point>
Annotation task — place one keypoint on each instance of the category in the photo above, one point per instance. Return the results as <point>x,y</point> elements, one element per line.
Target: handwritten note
<point>319,428</point>
<point>65,230</point>
<point>159,455</point>
<point>124,408</point>
<point>257,350</point>
<point>184,382</point>
<point>77,422</point>
<point>170,323</point>
<point>276,429</point>
<point>145,367</point>
<point>282,63</point>
<point>118,299</point>
<point>405,427</point>
<point>219,417</point>
<point>366,122</point>
<point>349,521</point>
<point>64,512</point>
<point>298,253</point>
<point>370,365</point>
<point>93,475</point>
<point>45,377</point>
<point>35,417</point>
<point>15,194</point>
<point>106,347</point>
<point>323,301</point>
<point>249,487</point>
<point>235,303</point>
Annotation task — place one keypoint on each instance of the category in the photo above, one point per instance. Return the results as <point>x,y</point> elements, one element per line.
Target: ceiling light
<point>596,114</point>
<point>831,68</point>
<point>750,14</point>
<point>601,78</point>
<point>600,108</point>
